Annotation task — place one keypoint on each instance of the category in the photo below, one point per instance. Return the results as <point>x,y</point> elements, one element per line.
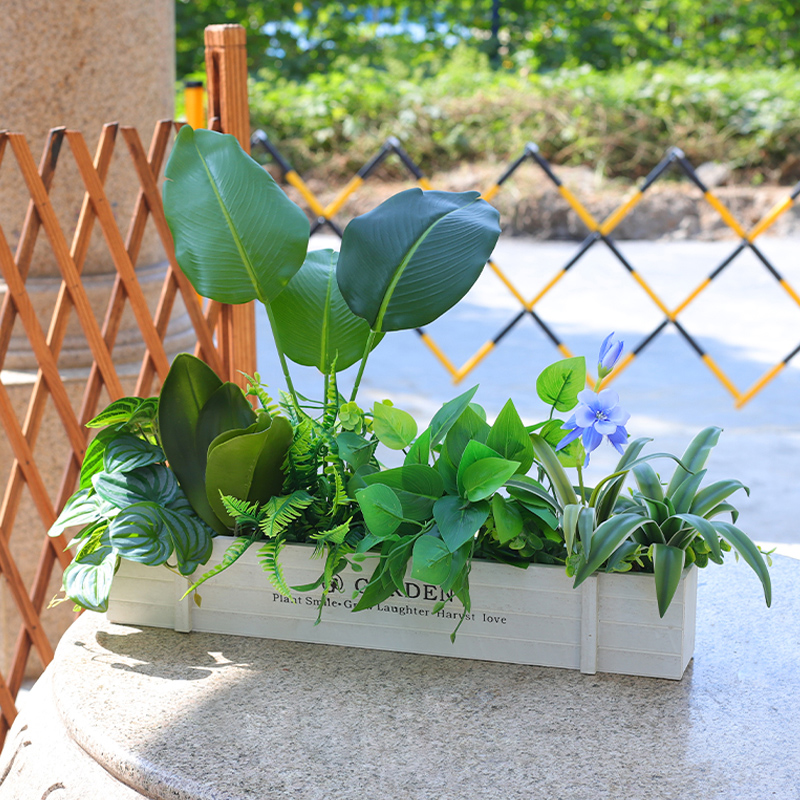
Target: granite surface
<point>204,716</point>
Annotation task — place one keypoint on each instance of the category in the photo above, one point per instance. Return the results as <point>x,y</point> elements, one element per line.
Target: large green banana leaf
<point>237,236</point>
<point>416,255</point>
<point>314,324</point>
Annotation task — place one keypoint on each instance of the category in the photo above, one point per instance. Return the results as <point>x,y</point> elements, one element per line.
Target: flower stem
<point>367,350</point>
<point>281,356</point>
<point>580,482</point>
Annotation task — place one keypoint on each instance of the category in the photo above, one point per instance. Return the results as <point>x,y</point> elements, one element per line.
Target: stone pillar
<point>77,63</point>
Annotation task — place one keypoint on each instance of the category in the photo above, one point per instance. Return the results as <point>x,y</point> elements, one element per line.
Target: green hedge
<point>619,122</point>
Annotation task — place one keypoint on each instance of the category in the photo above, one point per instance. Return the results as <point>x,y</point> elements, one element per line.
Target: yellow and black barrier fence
<point>598,231</point>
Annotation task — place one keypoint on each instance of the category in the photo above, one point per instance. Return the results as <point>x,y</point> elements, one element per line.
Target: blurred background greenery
<point>607,85</point>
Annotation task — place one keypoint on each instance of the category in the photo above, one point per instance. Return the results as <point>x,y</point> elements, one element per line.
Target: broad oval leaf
<point>116,413</point>
<point>247,465</point>
<point>138,533</point>
<point>330,332</point>
<point>126,452</point>
<point>187,388</point>
<point>474,451</point>
<point>420,450</point>
<point>507,519</point>
<point>154,483</point>
<point>237,236</point>
<point>81,509</point>
<point>88,584</point>
<point>416,478</point>
<point>405,263</point>
<point>394,427</point>
<point>191,538</point>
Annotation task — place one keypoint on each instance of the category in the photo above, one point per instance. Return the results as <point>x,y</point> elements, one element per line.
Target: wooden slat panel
<point>66,264</point>
<point>119,254</point>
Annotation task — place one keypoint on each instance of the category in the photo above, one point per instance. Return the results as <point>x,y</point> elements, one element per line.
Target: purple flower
<point>598,415</point>
<point>610,351</point>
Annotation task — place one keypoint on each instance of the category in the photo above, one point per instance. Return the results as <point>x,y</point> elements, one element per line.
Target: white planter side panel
<point>533,616</point>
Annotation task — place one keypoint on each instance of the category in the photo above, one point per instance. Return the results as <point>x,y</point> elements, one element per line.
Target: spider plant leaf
<point>667,567</point>
<point>683,495</point>
<point>713,494</point>
<point>237,236</point>
<point>608,536</point>
<point>552,466</point>
<point>706,530</point>
<point>648,482</point>
<point>569,524</point>
<point>695,457</point>
<point>405,263</point>
<point>744,546</point>
<point>330,333</point>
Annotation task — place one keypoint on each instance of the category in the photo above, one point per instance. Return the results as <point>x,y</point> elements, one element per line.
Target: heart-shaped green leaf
<point>459,521</point>
<point>330,331</point>
<point>431,560</point>
<point>558,385</point>
<point>483,478</point>
<point>416,255</point>
<point>237,236</point>
<point>381,508</point>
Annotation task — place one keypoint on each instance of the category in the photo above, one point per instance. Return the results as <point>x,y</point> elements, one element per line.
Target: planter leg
<point>589,626</point>
<point>183,608</point>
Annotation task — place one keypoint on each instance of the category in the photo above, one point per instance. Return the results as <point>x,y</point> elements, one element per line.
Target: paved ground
<point>744,320</point>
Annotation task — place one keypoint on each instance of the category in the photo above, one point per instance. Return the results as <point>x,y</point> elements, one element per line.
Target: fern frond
<point>331,400</point>
<point>280,512</point>
<point>240,510</point>
<point>268,556</point>
<point>232,554</point>
<point>334,536</point>
<point>257,389</point>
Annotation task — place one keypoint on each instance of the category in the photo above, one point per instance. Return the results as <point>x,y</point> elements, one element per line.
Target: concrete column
<point>77,63</point>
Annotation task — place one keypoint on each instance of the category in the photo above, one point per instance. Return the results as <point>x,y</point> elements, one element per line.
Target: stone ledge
<point>201,716</point>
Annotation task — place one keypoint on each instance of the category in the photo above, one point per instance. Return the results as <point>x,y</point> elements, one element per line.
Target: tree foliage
<point>301,38</point>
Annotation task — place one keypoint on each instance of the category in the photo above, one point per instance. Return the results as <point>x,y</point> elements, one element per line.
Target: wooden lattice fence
<point>225,336</point>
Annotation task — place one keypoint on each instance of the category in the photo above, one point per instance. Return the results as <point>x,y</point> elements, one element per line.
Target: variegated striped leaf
<point>139,533</point>
<point>154,483</point>
<point>126,452</point>
<point>191,538</point>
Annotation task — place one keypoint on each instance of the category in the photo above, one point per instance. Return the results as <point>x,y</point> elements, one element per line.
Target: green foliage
<point>131,506</point>
<point>301,39</point>
<point>619,122</point>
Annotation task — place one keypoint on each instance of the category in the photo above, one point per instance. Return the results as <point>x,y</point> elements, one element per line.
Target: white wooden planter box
<point>533,616</point>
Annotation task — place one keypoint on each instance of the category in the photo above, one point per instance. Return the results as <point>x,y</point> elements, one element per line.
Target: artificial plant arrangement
<point>165,475</point>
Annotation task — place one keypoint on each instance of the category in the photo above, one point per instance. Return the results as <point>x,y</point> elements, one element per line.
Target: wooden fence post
<point>229,111</point>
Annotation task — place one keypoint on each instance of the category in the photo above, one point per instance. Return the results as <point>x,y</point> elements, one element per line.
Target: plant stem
<point>281,356</point>
<point>367,350</point>
<point>580,482</point>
